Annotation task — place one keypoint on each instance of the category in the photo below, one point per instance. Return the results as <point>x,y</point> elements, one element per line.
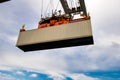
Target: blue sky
<point>94,62</point>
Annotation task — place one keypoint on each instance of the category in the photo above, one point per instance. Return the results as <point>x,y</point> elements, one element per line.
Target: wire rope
<point>57,5</point>
<point>42,9</point>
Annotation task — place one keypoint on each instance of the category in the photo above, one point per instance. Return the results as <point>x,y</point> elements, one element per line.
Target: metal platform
<point>66,35</point>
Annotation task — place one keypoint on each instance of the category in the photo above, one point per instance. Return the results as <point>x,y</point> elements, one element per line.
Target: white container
<point>48,36</point>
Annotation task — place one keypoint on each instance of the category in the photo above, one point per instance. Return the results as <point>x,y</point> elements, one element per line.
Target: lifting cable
<point>56,8</point>
<point>47,8</point>
<point>77,5</point>
<point>74,3</point>
<point>71,1</point>
<point>52,5</point>
<point>42,9</point>
<point>57,5</point>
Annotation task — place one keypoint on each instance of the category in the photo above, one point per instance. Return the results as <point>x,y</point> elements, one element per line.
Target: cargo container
<point>65,35</point>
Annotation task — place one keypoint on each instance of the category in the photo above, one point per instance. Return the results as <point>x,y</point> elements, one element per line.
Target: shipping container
<point>60,36</point>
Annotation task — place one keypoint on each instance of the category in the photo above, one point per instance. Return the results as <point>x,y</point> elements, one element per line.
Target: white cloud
<point>6,77</point>
<point>20,73</point>
<point>33,75</point>
<point>5,68</point>
<point>56,76</point>
<point>10,39</point>
<point>6,17</point>
<point>40,62</point>
<point>51,74</point>
<point>104,52</point>
<point>46,6</point>
<point>73,76</point>
<point>86,59</point>
<point>81,77</point>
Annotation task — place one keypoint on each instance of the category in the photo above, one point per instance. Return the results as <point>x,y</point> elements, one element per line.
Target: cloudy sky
<point>100,61</point>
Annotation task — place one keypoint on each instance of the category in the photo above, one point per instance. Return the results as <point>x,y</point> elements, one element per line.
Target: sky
<point>100,61</point>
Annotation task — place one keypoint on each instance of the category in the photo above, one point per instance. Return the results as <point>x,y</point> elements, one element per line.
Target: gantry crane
<point>1,1</point>
<point>80,8</point>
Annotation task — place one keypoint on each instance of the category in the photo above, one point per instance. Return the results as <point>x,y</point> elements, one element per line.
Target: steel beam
<point>1,1</point>
<point>65,6</point>
<point>83,7</point>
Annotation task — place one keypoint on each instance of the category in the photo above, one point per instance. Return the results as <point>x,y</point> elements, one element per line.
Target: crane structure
<point>58,31</point>
<point>1,1</point>
<point>80,8</point>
